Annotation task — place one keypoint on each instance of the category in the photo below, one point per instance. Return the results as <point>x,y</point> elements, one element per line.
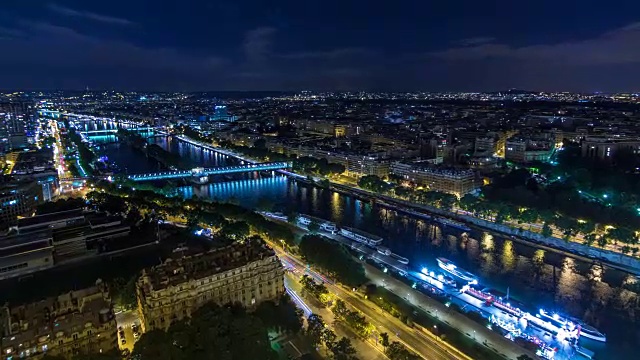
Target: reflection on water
<point>533,276</point>
<point>602,296</point>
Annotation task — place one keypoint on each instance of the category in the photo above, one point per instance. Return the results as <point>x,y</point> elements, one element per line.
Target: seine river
<point>604,297</point>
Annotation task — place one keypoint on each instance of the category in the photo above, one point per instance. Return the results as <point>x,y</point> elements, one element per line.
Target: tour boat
<point>453,223</point>
<point>361,236</point>
<point>275,215</point>
<point>325,225</point>
<point>448,266</point>
<point>570,324</point>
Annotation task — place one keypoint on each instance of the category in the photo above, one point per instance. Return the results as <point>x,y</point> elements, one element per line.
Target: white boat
<point>325,225</point>
<point>275,215</point>
<point>385,251</point>
<point>572,324</point>
<point>361,236</point>
<point>448,266</point>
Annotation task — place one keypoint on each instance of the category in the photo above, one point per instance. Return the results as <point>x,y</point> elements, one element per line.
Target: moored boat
<point>325,225</point>
<point>572,325</point>
<point>361,236</point>
<point>448,266</point>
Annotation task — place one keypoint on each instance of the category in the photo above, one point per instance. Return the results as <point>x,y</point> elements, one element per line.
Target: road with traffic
<point>428,348</point>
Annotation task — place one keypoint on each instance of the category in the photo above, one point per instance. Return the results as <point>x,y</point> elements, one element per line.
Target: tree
<point>313,226</point>
<point>328,337</point>
<point>546,230</point>
<point>260,144</point>
<point>284,316</point>
<point>397,351</point>
<point>340,309</point>
<point>343,349</point>
<point>53,357</point>
<point>590,238</point>
<point>210,332</point>
<point>315,327</point>
<point>236,230</point>
<point>292,218</point>
<point>124,292</point>
<point>333,258</point>
<point>373,183</point>
<point>384,339</point>
<point>154,344</point>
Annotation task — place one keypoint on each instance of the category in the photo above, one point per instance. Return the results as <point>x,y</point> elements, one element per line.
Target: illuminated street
<point>429,348</point>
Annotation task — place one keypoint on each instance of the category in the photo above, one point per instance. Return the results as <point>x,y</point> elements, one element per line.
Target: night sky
<point>445,45</point>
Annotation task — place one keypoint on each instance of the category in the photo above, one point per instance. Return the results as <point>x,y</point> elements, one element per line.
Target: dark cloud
<point>619,46</point>
<point>475,41</point>
<point>333,54</point>
<point>57,48</point>
<point>89,15</point>
<point>257,44</point>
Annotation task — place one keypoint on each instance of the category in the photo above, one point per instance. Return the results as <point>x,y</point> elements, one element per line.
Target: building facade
<point>528,150</point>
<point>455,182</point>
<point>605,148</point>
<point>73,323</point>
<point>246,273</point>
<point>18,199</point>
<point>25,254</point>
<point>43,241</point>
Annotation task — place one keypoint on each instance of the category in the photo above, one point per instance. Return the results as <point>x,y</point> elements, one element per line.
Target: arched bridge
<point>201,172</point>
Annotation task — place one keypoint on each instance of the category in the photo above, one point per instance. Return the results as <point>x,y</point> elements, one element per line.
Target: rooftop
<point>178,270</point>
<point>62,313</point>
<point>49,218</point>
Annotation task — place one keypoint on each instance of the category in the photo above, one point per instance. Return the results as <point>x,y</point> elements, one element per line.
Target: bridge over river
<point>204,172</point>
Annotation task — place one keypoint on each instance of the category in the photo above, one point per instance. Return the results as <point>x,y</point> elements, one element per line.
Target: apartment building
<point>18,199</point>
<point>22,254</point>
<point>605,147</point>
<point>73,323</point>
<point>528,149</point>
<point>247,273</point>
<point>41,242</point>
<point>451,181</point>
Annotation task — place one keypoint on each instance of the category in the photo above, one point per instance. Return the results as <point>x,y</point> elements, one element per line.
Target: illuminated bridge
<point>199,173</point>
<point>110,131</point>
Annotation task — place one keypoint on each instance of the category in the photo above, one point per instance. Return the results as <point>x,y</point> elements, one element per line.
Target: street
<point>126,319</point>
<point>411,338</point>
<point>472,329</point>
<point>366,349</point>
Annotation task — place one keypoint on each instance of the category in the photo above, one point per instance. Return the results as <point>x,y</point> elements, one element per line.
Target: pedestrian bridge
<point>202,172</point>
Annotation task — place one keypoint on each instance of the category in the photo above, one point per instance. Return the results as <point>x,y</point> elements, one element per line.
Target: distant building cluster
<point>451,181</point>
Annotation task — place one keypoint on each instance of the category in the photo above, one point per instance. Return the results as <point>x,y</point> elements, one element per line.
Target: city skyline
<point>252,46</point>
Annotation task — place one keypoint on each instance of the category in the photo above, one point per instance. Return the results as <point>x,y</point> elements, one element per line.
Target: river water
<point>606,298</point>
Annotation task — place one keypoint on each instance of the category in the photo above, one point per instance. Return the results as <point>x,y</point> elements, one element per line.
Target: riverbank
<point>580,251</point>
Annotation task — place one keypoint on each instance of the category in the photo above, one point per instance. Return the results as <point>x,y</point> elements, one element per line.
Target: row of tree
<point>319,291</point>
<point>320,334</point>
<point>232,220</point>
<point>212,332</point>
<point>333,258</point>
<point>86,156</point>
<point>353,318</point>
